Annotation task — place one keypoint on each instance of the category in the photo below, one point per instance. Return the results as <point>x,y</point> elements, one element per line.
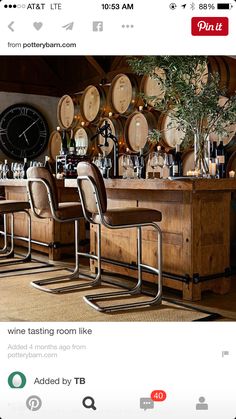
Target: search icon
<point>89,403</point>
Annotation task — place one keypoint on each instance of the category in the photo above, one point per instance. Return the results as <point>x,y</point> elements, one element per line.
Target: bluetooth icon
<point>192,6</point>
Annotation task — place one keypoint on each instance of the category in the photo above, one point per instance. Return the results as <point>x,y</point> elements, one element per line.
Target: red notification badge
<point>158,395</point>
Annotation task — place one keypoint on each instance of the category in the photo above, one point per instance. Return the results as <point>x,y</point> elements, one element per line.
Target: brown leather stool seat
<point>11,207</point>
<point>8,206</point>
<point>94,202</point>
<point>43,198</point>
<point>121,217</point>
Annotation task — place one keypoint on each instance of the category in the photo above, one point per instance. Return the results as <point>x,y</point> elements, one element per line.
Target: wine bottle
<point>25,167</point>
<point>213,159</point>
<point>177,167</point>
<point>220,152</point>
<point>213,153</point>
<point>142,165</point>
<point>72,146</point>
<point>64,147</point>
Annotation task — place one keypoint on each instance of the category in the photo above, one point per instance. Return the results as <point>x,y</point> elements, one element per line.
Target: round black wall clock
<point>23,132</point>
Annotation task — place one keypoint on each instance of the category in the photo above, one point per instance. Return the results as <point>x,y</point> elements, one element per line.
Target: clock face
<point>23,132</point>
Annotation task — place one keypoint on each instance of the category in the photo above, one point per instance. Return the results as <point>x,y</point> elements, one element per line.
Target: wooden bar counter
<point>55,238</point>
<point>196,231</point>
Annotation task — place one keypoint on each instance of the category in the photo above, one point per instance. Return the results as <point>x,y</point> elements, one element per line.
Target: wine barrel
<point>123,94</point>
<point>172,132</point>
<point>188,161</point>
<point>82,136</point>
<point>87,106</point>
<point>230,147</point>
<point>150,86</point>
<point>66,114</point>
<point>226,68</point>
<point>54,145</point>
<point>228,139</point>
<point>231,165</point>
<point>117,129</point>
<point>91,103</point>
<point>137,129</point>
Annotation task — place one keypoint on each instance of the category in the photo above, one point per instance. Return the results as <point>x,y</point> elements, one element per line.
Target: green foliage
<point>190,92</point>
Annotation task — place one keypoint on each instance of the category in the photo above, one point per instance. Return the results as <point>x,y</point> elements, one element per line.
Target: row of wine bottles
<point>64,143</point>
<point>216,156</point>
<point>17,170</point>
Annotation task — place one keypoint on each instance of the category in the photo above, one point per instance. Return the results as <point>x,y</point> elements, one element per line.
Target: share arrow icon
<point>68,26</point>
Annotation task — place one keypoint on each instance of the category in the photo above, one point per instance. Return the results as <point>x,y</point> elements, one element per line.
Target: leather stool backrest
<point>87,190</point>
<point>39,191</point>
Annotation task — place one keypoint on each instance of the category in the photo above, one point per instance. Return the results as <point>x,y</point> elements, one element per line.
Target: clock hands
<point>23,133</point>
<point>26,139</point>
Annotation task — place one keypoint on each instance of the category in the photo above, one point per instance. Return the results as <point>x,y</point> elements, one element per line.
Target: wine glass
<point>14,170</point>
<point>124,165</point>
<point>138,165</point>
<point>168,162</point>
<point>153,161</point>
<point>20,169</point>
<point>105,166</point>
<point>97,160</point>
<point>130,167</point>
<point>5,169</point>
<point>160,160</point>
<point>108,164</point>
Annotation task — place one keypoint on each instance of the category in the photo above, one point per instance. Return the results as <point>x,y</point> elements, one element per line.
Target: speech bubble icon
<point>146,403</point>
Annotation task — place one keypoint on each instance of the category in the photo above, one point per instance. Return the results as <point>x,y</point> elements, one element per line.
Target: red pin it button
<point>210,26</point>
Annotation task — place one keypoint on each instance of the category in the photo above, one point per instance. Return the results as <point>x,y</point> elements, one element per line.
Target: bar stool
<point>4,232</point>
<point>94,203</point>
<point>43,198</point>
<point>10,207</point>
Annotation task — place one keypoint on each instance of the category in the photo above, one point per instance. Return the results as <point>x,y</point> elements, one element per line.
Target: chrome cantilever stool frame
<point>75,275</point>
<point>10,207</point>
<point>100,218</point>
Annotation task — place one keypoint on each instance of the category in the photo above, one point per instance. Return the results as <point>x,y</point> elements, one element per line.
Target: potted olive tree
<point>192,95</point>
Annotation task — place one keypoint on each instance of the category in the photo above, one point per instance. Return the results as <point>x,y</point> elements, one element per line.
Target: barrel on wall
<point>66,113</point>
<point>137,129</point>
<point>151,86</point>
<point>123,96</point>
<point>84,140</point>
<point>172,132</point>
<point>225,67</point>
<point>91,103</point>
<point>87,106</point>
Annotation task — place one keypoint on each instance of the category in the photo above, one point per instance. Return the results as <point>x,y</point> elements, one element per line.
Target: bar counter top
<point>23,182</point>
<point>183,184</point>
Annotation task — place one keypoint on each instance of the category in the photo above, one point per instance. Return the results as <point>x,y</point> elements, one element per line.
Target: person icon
<point>201,405</point>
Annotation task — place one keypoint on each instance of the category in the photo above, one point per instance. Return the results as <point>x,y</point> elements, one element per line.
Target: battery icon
<point>223,6</point>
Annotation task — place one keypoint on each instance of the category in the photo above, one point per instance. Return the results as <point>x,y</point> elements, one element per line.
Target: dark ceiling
<point>57,75</point>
